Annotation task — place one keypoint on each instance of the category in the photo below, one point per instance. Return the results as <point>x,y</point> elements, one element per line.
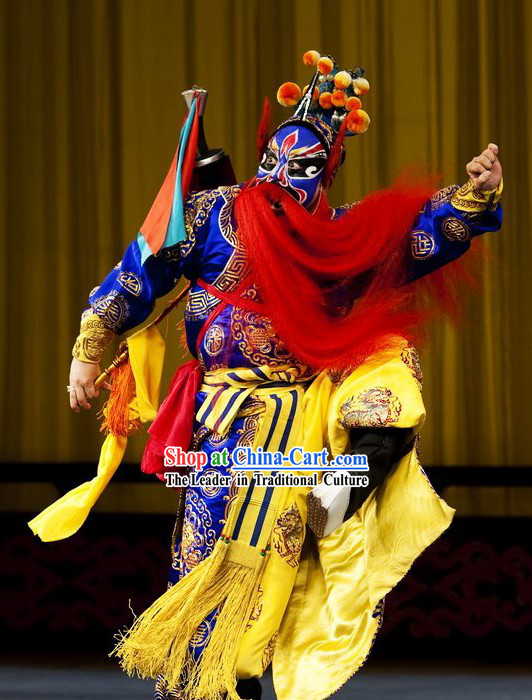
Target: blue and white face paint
<point>294,159</point>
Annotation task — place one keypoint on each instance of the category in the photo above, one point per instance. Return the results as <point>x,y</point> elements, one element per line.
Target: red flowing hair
<point>335,291</point>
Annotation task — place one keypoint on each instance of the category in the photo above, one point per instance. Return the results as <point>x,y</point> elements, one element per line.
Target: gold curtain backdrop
<point>90,115</point>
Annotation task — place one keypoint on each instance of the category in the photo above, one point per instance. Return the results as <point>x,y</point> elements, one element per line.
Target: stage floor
<point>90,678</point>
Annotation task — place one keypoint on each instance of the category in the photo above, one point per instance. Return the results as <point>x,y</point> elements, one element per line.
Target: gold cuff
<point>92,340</point>
<point>473,200</point>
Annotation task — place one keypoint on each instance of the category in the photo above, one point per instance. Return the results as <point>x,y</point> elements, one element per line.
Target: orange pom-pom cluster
<point>325,100</point>
<point>325,65</point>
<point>338,91</point>
<point>353,103</point>
<point>357,121</point>
<point>289,94</point>
<point>342,80</point>
<point>311,58</point>
<point>339,98</point>
<point>360,86</point>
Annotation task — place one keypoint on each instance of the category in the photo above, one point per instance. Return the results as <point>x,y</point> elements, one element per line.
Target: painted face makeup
<point>294,159</point>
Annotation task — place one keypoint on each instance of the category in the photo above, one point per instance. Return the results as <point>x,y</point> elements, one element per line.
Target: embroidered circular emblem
<point>455,230</point>
<point>217,440</point>
<point>421,244</point>
<point>288,535</point>
<point>131,282</point>
<point>201,635</point>
<point>259,338</point>
<point>214,339</point>
<point>372,408</point>
<point>210,491</point>
<point>113,309</point>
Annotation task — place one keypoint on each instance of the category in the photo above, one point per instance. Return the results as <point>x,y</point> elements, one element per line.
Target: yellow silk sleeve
<point>65,516</point>
<point>146,354</point>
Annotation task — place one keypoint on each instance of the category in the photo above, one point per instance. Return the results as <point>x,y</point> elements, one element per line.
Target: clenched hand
<point>485,169</point>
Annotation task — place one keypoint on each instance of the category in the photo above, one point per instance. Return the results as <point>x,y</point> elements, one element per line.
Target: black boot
<point>249,688</point>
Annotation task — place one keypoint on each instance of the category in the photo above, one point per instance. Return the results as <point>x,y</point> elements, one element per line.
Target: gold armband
<point>92,340</point>
<point>473,200</point>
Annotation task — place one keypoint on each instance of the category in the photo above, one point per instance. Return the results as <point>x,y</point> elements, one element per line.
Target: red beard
<point>334,290</point>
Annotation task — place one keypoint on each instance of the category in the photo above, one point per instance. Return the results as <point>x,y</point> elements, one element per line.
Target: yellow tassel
<point>214,674</point>
<point>158,642</point>
<point>164,628</point>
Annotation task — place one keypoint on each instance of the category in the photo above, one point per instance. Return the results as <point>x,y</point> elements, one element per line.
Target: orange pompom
<point>310,58</point>
<point>361,86</point>
<point>325,100</point>
<point>357,121</point>
<point>338,98</point>
<point>288,94</point>
<point>325,65</point>
<point>315,92</point>
<point>342,79</point>
<point>353,103</point>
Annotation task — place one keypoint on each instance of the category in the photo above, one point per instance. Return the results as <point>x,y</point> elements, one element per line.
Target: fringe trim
<point>158,642</point>
<point>118,419</point>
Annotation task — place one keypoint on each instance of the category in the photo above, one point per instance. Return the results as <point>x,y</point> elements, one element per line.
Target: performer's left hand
<point>485,169</point>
